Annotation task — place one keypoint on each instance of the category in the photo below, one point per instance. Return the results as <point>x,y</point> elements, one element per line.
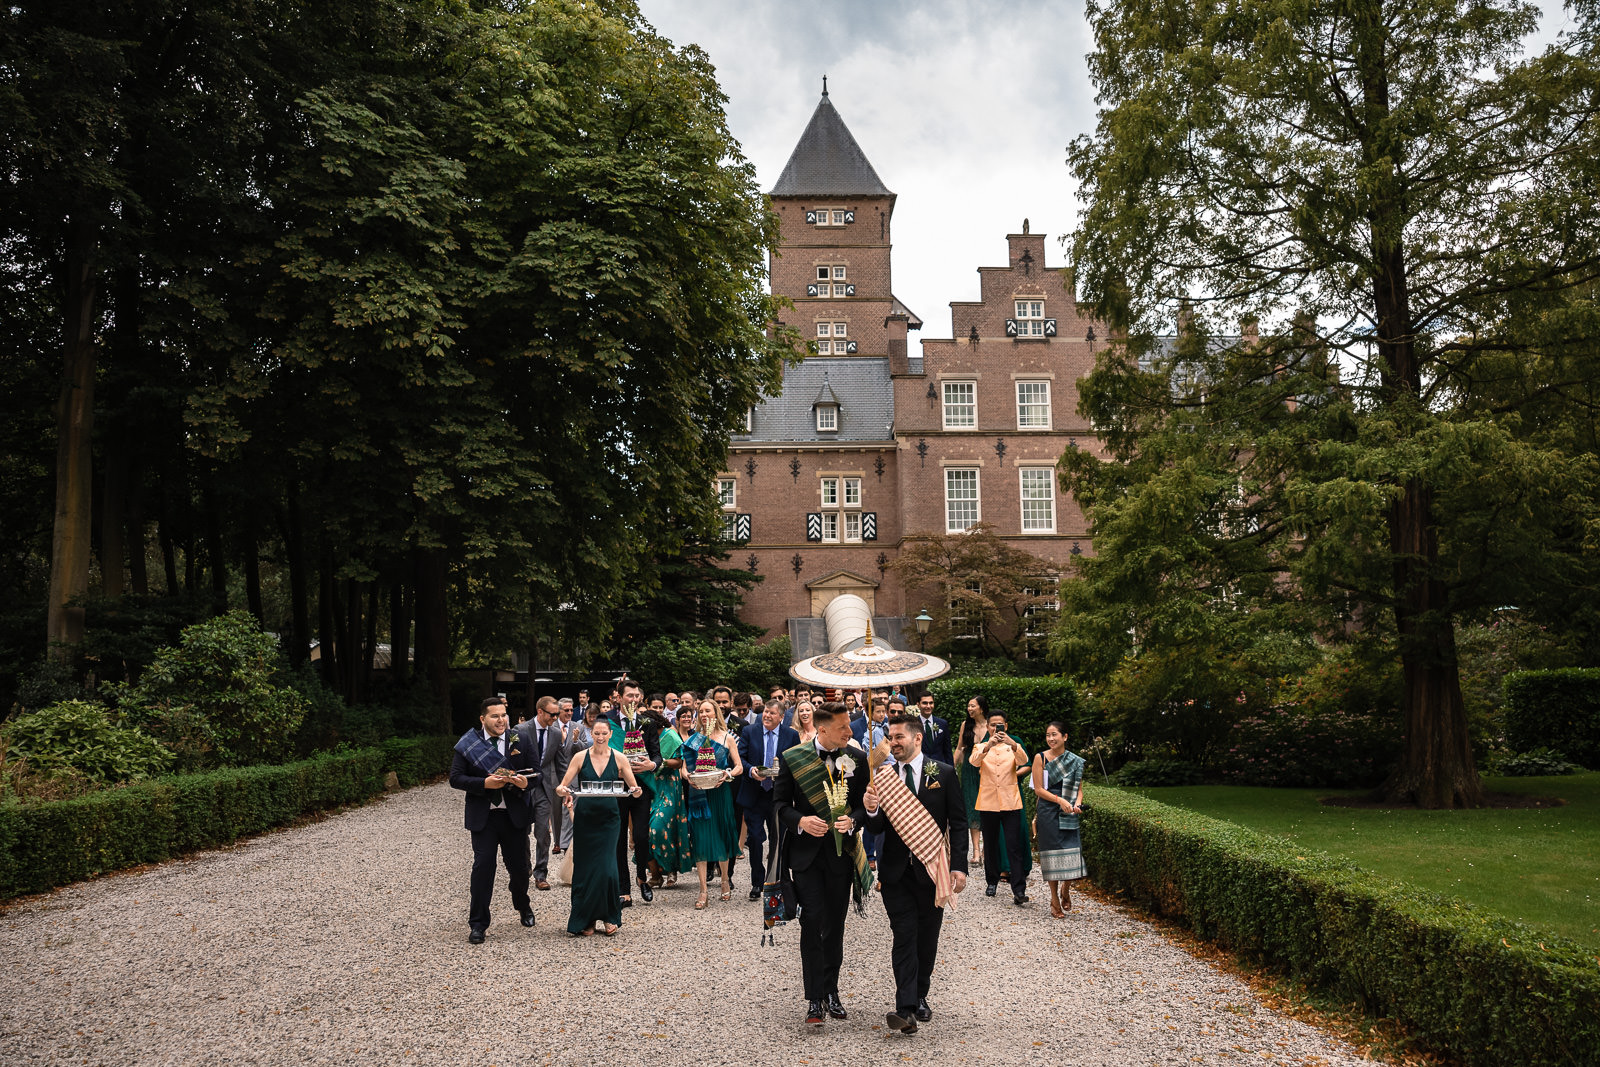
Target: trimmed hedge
<point>1030,704</point>
<point>1485,989</point>
<point>54,843</point>
<point>1557,709</point>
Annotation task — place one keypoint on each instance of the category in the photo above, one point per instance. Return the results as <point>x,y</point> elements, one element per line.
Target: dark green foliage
<point>1532,764</point>
<point>50,844</point>
<point>122,636</point>
<point>1158,771</point>
<point>79,736</point>
<point>1557,709</point>
<point>216,698</point>
<point>1311,744</point>
<point>1491,992</point>
<point>1030,704</point>
<point>696,664</point>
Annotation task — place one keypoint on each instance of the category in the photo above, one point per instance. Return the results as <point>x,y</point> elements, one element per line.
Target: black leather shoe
<point>989,892</point>
<point>836,1008</point>
<point>527,918</point>
<point>627,902</point>
<point>923,1012</point>
<point>755,894</point>
<point>1019,898</point>
<point>645,893</point>
<point>815,1012</point>
<point>475,937</point>
<point>901,1019</point>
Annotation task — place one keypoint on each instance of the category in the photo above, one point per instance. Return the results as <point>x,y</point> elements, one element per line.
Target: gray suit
<point>578,742</point>
<point>541,795</point>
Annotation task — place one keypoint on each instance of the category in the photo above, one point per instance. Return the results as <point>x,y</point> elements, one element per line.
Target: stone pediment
<point>837,583</point>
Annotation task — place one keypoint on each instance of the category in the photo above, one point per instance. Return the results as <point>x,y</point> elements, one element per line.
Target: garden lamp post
<point>923,621</point>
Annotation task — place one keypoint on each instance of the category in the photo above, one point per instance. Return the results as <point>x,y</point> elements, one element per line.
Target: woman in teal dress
<point>669,817</point>
<point>974,732</point>
<point>596,889</point>
<point>713,828</point>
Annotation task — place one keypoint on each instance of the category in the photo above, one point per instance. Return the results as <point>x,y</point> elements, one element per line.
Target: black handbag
<point>778,903</point>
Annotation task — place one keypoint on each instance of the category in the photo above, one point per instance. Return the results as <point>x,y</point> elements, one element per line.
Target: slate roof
<point>827,161</point>
<point>862,386</point>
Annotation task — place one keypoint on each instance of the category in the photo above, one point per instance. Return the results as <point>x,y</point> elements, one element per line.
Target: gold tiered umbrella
<point>856,660</point>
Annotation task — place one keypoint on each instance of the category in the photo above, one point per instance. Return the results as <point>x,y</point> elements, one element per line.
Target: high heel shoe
<point>699,905</point>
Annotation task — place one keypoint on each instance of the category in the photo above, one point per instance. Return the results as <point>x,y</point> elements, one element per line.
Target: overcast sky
<point>964,107</point>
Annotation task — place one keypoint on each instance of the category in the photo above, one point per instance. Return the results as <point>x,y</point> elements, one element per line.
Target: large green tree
<point>1389,190</point>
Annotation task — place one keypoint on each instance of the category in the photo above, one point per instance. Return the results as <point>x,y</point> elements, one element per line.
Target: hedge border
<point>1557,709</point>
<point>58,842</point>
<point>1488,990</point>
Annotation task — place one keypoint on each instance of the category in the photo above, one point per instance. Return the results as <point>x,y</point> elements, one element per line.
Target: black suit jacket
<point>792,805</point>
<point>937,744</point>
<point>945,802</point>
<point>464,776</point>
<point>752,745</point>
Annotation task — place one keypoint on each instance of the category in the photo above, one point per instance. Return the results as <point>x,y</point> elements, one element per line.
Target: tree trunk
<point>351,653</point>
<point>69,543</point>
<point>169,553</point>
<point>369,646</point>
<point>327,622</point>
<point>433,631</point>
<point>215,549</point>
<point>113,516</point>
<point>299,601</point>
<point>252,574</point>
<point>399,633</point>
<point>533,652</point>
<point>138,571</point>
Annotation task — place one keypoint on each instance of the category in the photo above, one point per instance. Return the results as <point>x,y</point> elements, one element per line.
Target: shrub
<point>748,665</point>
<point>79,736</point>
<point>1158,771</point>
<point>1557,709</point>
<point>1539,762</point>
<point>1315,744</point>
<point>216,699</point>
<point>1484,989</point>
<point>49,844</point>
<point>1030,705</point>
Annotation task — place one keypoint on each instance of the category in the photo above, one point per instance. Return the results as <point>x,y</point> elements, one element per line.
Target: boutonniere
<point>930,772</point>
<point>847,767</point>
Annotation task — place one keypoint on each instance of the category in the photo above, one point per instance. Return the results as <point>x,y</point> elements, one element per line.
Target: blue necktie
<point>772,737</point>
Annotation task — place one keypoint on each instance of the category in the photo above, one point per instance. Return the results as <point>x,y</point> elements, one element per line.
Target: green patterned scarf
<point>810,775</point>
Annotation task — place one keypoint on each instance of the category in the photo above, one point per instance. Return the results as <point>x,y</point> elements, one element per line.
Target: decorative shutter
<point>850,290</point>
<point>849,216</point>
<point>869,526</point>
<point>1049,327</point>
<point>850,348</point>
<point>811,218</point>
<point>813,526</point>
<point>741,527</point>
<point>811,290</point>
<point>1011,327</point>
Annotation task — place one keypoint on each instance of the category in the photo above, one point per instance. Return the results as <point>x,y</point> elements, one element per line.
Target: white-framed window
<point>827,417</point>
<point>965,626</point>
<point>830,526</point>
<point>1033,405</point>
<point>1038,499</point>
<point>960,498</point>
<point>832,280</point>
<point>852,526</point>
<point>836,216</point>
<point>841,503</point>
<point>727,493</point>
<point>1030,318</point>
<point>831,338</point>
<point>730,527</point>
<point>1039,614</point>
<point>750,419</point>
<point>852,492</point>
<point>960,405</point>
<point>830,492</point>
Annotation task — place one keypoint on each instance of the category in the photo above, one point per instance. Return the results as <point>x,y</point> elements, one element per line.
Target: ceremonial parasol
<point>856,660</point>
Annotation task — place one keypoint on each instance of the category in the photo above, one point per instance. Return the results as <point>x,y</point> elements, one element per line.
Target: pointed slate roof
<point>827,161</point>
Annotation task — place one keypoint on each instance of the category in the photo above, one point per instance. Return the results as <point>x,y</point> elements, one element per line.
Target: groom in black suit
<point>822,877</point>
<point>908,890</point>
<point>498,813</point>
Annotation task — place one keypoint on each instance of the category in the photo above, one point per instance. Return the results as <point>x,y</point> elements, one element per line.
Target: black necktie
<point>538,754</point>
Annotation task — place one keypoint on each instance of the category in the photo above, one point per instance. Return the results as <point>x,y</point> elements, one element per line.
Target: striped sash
<point>918,829</point>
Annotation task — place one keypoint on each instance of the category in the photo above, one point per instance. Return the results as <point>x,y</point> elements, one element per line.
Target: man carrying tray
<point>491,766</point>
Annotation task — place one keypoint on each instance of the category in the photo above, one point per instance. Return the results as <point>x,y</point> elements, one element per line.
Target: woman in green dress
<point>713,828</point>
<point>669,818</point>
<point>596,896</point>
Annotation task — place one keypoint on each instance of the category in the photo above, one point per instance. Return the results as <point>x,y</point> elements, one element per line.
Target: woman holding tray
<point>669,818</point>
<point>596,888</point>
<point>709,763</point>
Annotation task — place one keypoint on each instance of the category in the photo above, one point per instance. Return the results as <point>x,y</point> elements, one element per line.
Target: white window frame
<point>951,523</point>
<point>852,492</point>
<point>828,491</point>
<point>1030,317</point>
<point>728,494</point>
<point>730,526</point>
<point>830,526</point>
<point>1049,499</point>
<point>947,403</point>
<point>750,419</point>
<point>1032,383</point>
<point>827,418</point>
<point>852,525</point>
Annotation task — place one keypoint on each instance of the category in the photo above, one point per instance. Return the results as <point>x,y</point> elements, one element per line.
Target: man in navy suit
<point>908,890</point>
<point>759,748</point>
<point>935,731</point>
<point>489,766</point>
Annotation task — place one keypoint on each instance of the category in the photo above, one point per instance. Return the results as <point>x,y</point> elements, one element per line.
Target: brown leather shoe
<point>541,884</point>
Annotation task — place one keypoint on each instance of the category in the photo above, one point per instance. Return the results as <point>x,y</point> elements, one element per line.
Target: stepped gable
<point>827,161</point>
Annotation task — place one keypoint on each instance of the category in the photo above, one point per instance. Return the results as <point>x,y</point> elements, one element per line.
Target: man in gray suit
<point>544,740</point>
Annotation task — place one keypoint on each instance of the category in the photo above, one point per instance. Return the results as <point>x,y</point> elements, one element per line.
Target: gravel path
<point>345,941</point>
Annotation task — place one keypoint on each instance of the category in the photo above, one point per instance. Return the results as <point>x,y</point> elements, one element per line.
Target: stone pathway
<point>345,941</point>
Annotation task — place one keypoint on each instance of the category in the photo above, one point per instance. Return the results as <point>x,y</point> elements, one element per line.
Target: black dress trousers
<point>511,841</point>
<point>915,923</point>
<point>823,892</point>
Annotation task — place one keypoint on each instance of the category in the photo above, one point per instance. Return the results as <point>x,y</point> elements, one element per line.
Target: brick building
<point>870,442</point>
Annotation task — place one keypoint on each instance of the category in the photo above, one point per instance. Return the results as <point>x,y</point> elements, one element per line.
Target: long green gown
<point>596,890</point>
<point>669,818</point>
<point>713,828</point>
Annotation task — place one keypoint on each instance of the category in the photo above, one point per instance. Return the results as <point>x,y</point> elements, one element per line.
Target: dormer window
<point>827,417</point>
<point>1030,321</point>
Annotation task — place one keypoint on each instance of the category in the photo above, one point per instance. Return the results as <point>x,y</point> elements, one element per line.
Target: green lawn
<point>1538,866</point>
